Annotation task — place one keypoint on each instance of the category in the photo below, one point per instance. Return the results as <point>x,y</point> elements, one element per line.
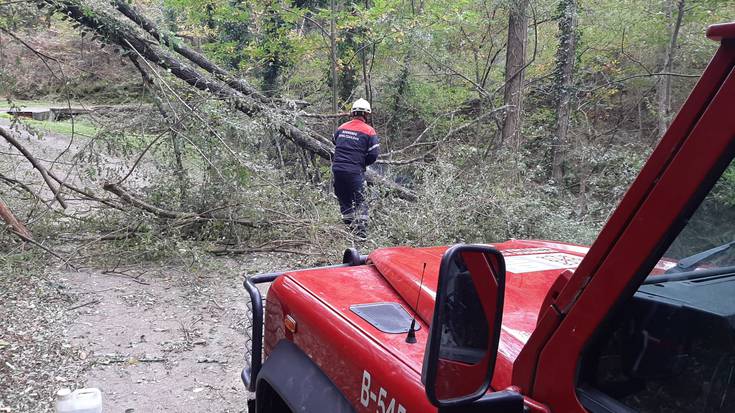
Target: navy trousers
<point>348,188</point>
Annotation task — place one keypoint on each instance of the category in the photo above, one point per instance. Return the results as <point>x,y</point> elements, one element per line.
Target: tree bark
<point>7,215</point>
<point>663,87</point>
<point>515,60</point>
<point>347,55</point>
<point>563,84</point>
<point>366,72</point>
<point>276,62</point>
<point>400,87</point>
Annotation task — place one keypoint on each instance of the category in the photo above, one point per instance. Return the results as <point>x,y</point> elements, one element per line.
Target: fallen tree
<point>216,81</point>
<point>168,214</point>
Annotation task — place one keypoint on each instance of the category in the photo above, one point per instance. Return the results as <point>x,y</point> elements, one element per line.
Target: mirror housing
<point>465,329</point>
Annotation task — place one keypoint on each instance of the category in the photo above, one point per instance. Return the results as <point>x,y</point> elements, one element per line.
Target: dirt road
<point>152,338</point>
<point>160,340</point>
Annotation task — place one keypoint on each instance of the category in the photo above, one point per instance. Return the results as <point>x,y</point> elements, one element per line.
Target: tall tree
<point>365,60</point>
<point>347,77</point>
<point>347,54</point>
<point>276,45</point>
<point>663,87</point>
<point>515,61</point>
<point>333,55</point>
<point>563,83</point>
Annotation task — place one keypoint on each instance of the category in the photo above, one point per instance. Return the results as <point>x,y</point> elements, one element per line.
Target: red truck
<point>643,320</point>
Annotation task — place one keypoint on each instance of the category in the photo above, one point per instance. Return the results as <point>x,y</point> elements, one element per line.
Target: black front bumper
<point>255,360</point>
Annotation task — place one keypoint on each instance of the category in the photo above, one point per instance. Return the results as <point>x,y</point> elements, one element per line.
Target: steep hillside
<point>52,61</point>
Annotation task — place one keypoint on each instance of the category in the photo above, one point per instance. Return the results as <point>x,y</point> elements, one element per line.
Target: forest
<point>190,143</point>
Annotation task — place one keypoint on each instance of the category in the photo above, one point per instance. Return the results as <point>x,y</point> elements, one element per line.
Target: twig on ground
<point>93,302</point>
<point>122,274</point>
<point>43,247</point>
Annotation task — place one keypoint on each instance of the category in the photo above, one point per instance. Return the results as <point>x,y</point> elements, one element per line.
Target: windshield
<point>707,240</point>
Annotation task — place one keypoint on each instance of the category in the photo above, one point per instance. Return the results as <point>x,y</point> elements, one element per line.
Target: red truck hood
<point>531,269</point>
<point>531,266</point>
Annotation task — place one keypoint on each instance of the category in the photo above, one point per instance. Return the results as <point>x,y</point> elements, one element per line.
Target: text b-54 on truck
<point>641,321</point>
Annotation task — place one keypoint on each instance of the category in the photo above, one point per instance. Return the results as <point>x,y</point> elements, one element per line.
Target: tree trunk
<point>275,61</point>
<point>515,60</point>
<point>333,53</point>
<point>346,54</point>
<point>563,84</point>
<point>395,122</point>
<point>663,87</point>
<point>367,68</point>
<point>366,76</point>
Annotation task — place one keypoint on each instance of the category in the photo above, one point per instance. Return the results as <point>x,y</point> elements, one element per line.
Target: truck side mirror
<point>465,330</point>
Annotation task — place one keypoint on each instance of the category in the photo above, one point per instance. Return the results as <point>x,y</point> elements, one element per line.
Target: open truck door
<point>680,173</point>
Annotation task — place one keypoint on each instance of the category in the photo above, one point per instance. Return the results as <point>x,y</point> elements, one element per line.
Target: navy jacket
<point>356,147</point>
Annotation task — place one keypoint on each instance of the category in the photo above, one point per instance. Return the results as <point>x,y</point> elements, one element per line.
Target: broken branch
<point>165,213</point>
<point>7,215</point>
<point>43,247</point>
<point>9,137</point>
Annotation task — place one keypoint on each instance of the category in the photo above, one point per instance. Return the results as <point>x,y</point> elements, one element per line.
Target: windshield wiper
<point>688,263</point>
<point>690,275</point>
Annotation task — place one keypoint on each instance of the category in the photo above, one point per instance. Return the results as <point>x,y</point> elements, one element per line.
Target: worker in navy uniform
<point>356,147</point>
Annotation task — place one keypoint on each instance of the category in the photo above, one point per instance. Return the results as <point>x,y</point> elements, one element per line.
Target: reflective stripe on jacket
<point>356,146</point>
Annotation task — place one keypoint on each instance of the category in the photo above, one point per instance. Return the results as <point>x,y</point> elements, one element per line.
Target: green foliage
<point>15,15</point>
<point>456,208</point>
<point>725,191</point>
<point>244,35</point>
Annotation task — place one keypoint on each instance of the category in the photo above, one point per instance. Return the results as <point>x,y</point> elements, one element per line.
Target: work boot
<point>360,230</point>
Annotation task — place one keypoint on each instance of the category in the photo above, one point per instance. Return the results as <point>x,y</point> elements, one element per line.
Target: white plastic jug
<point>79,401</point>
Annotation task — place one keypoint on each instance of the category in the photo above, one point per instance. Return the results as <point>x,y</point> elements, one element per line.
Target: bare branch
<point>626,78</point>
<point>44,173</point>
<point>169,214</point>
<point>14,182</point>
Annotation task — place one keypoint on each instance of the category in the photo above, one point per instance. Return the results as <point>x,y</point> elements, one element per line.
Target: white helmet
<point>361,105</point>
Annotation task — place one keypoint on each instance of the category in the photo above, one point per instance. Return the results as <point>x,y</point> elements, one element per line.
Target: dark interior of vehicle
<point>670,348</point>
